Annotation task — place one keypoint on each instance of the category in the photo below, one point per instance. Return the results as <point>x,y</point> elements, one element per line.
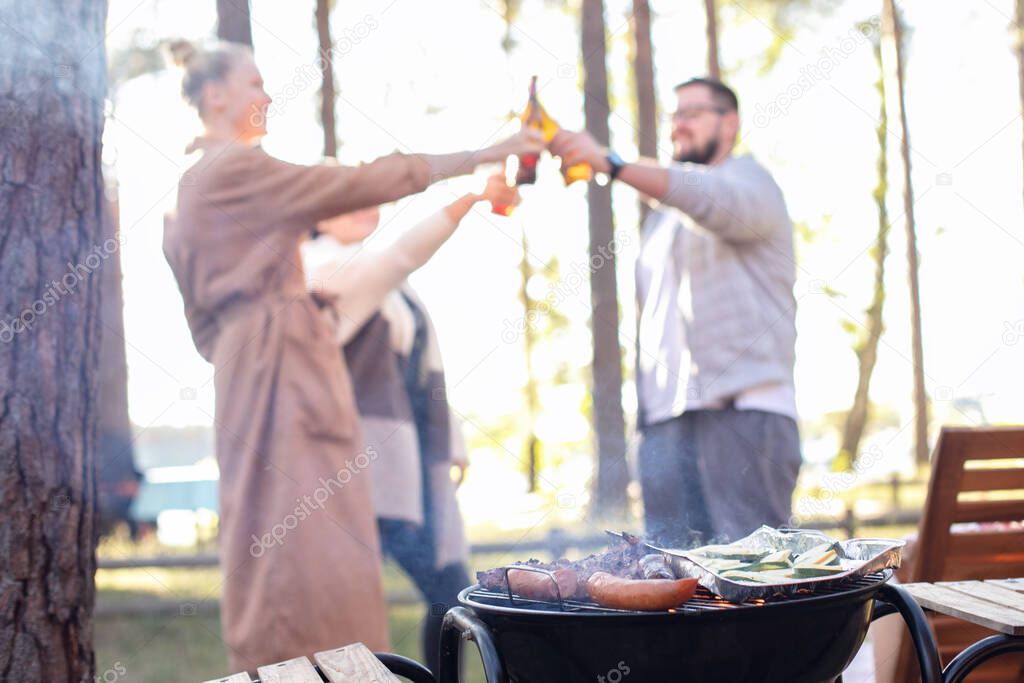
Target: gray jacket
<point>730,269</point>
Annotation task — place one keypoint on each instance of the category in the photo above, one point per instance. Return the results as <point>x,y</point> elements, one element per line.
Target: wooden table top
<point>350,664</point>
<point>995,604</point>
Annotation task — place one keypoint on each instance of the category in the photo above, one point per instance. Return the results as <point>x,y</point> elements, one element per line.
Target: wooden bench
<point>350,664</point>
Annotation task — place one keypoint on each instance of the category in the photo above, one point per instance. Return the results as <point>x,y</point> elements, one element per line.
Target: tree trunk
<point>892,20</point>
<point>117,478</point>
<point>609,424</point>
<point>711,16</point>
<point>531,309</point>
<point>530,312</point>
<point>52,88</point>
<point>233,22</point>
<point>867,348</point>
<point>643,75</point>
<point>1019,31</point>
<point>326,61</point>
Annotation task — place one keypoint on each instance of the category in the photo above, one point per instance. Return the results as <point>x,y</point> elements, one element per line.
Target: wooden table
<point>995,604</point>
<point>350,664</point>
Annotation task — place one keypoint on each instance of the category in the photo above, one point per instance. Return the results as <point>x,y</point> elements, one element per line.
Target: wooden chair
<point>969,486</point>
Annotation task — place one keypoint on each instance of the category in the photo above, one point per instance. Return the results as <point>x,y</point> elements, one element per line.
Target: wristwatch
<point>615,164</point>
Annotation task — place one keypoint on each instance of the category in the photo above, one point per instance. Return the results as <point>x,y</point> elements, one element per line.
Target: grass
<point>186,647</point>
<point>171,649</point>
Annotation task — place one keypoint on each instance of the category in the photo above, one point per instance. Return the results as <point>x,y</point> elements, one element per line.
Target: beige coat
<point>299,547</point>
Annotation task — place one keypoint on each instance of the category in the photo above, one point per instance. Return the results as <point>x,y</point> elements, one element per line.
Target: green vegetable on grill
<point>779,560</point>
<point>725,552</point>
<point>820,555</point>
<point>719,565</point>
<point>754,566</point>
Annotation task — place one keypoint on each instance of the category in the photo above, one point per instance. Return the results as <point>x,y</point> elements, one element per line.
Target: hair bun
<point>182,51</point>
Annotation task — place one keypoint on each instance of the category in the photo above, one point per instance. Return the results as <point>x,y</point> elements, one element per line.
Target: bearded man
<point>720,450</point>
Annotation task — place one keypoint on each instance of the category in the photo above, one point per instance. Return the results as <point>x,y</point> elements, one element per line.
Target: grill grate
<point>702,602</point>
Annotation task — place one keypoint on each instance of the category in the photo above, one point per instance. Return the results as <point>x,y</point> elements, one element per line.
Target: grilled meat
<point>656,566</point>
<point>628,560</point>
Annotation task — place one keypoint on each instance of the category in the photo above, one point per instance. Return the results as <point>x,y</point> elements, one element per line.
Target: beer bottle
<point>535,117</point>
<point>548,126</point>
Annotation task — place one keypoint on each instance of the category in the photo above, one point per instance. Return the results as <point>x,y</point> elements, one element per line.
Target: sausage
<point>639,594</point>
<point>537,586</point>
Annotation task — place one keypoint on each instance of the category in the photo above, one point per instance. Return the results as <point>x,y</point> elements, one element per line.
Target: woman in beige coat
<point>299,547</point>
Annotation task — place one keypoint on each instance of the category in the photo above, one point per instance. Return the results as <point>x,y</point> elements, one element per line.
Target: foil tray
<point>861,556</point>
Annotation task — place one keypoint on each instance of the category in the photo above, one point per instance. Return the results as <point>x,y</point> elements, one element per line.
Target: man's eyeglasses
<point>692,111</point>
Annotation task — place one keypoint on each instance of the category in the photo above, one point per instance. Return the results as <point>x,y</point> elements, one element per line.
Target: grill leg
<point>979,653</point>
<point>461,624</point>
<point>924,644</point>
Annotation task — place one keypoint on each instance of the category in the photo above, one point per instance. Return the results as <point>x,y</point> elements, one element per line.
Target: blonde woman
<point>299,546</point>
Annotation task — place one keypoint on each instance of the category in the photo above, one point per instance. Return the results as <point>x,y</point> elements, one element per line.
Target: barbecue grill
<point>805,638</point>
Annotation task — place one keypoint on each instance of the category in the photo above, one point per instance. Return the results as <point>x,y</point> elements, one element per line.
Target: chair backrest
<point>977,479</point>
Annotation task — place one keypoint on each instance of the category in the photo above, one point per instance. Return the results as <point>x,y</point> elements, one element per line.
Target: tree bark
<point>52,88</point>
<point>609,424</point>
<point>892,20</point>
<point>711,28</point>
<point>867,349</point>
<point>643,75</point>
<point>326,61</point>
<point>233,21</point>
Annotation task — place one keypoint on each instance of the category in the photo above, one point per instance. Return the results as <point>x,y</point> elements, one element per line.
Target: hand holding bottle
<point>497,191</point>
<point>578,149</point>
<point>534,116</point>
<point>526,141</point>
<point>500,194</point>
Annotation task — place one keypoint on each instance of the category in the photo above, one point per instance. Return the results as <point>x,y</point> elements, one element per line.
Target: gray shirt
<point>715,288</point>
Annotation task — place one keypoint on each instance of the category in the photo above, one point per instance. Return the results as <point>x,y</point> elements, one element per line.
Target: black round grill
<point>702,601</point>
<point>804,638</point>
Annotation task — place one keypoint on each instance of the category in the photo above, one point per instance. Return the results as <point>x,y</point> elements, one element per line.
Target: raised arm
<point>359,285</point>
<point>301,196</point>
<point>737,201</point>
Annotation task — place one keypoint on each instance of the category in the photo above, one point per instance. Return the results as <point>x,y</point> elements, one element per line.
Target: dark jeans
<point>717,475</point>
<point>412,547</point>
